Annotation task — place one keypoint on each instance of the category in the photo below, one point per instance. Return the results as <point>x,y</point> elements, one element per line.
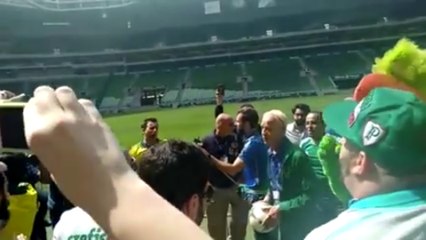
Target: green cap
<point>389,125</point>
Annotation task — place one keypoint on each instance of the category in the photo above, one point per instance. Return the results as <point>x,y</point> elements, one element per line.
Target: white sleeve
<point>59,232</point>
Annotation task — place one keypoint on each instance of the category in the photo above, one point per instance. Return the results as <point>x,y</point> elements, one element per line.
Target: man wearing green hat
<point>383,166</point>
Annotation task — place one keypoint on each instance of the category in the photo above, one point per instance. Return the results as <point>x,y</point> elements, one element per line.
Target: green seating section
<point>163,78</point>
<point>324,66</point>
<point>208,77</point>
<point>283,74</point>
<point>279,74</point>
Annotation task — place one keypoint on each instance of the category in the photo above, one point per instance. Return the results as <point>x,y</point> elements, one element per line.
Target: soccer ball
<point>257,215</point>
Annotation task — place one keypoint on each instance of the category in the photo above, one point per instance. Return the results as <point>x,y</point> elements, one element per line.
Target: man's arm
<point>304,174</point>
<point>219,105</point>
<point>247,153</point>
<point>229,168</point>
<point>218,110</point>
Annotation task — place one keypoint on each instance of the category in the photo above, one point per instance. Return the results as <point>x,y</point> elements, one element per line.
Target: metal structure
<point>68,5</point>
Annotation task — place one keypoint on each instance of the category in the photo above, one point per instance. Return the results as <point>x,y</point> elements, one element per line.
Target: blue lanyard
<point>275,171</point>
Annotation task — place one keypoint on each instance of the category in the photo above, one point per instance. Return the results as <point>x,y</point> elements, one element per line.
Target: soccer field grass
<point>191,122</point>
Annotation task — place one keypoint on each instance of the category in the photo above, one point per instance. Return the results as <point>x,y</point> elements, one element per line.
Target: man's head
<point>299,113</point>
<point>315,126</point>
<point>246,106</point>
<point>178,172</point>
<point>274,125</point>
<point>383,141</point>
<point>247,121</point>
<point>224,125</point>
<point>150,128</point>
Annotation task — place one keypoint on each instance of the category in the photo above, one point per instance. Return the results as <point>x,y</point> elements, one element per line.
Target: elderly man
<point>383,165</point>
<point>223,145</point>
<point>291,179</point>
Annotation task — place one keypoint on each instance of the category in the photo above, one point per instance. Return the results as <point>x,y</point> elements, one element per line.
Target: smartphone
<point>12,136</point>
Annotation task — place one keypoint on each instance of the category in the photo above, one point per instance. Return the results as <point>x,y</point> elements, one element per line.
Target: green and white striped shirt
<point>310,148</point>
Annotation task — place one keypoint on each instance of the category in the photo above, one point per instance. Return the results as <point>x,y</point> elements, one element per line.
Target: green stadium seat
<point>327,65</point>
<point>277,74</point>
<point>210,76</point>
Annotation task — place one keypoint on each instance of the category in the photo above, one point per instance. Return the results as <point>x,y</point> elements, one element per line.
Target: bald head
<point>224,124</point>
<point>223,117</point>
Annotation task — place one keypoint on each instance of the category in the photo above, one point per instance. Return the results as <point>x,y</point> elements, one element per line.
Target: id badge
<point>257,180</point>
<point>276,195</point>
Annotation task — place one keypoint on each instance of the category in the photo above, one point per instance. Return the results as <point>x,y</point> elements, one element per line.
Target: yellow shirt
<point>23,209</point>
<point>137,150</point>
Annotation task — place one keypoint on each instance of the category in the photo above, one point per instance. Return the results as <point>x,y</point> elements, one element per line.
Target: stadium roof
<point>68,5</point>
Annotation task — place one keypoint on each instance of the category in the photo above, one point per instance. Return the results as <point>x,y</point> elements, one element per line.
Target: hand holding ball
<point>262,217</point>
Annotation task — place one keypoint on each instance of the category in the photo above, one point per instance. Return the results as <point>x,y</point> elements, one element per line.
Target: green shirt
<point>310,148</point>
<point>297,178</point>
<point>299,214</point>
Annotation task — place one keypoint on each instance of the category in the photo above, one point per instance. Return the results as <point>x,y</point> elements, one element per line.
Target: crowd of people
<point>159,188</point>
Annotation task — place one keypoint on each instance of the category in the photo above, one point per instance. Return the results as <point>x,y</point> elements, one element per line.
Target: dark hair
<point>302,106</point>
<point>146,121</point>
<point>20,168</point>
<point>251,116</point>
<point>246,105</point>
<point>176,170</point>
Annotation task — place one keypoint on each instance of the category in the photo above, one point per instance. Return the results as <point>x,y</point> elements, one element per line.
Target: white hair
<point>275,115</point>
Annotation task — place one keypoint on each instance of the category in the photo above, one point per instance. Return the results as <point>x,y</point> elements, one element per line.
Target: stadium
<point>127,57</point>
<point>143,58</point>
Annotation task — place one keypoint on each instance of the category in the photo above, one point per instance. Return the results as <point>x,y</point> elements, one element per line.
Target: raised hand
<point>78,148</point>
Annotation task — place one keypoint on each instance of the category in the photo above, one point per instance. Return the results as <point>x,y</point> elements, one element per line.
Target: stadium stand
<point>162,78</point>
<point>277,74</point>
<point>208,77</point>
<point>324,66</point>
<point>124,65</point>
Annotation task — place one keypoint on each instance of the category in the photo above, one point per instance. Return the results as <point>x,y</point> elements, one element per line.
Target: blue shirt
<point>255,157</point>
<point>394,215</point>
<point>276,162</point>
<point>225,149</point>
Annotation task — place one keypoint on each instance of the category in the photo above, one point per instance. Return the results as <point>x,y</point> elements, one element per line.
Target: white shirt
<point>294,134</point>
<point>77,224</point>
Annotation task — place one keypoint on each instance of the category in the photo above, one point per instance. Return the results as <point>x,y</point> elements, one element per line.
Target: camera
<point>197,141</point>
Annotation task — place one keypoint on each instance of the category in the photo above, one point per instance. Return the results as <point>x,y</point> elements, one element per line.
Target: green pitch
<point>191,122</point>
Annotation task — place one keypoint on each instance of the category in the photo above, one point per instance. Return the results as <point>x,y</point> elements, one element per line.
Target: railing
<point>68,5</point>
<point>218,44</point>
<point>16,3</point>
<point>80,5</point>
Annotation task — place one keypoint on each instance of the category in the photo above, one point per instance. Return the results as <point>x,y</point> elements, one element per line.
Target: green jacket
<point>297,180</point>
